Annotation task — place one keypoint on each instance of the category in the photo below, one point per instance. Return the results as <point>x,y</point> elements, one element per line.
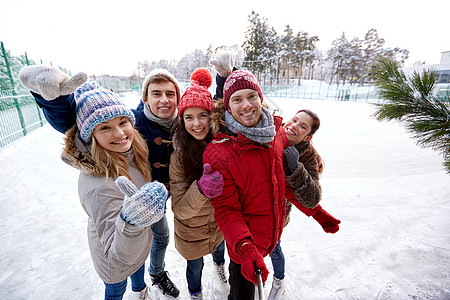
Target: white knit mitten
<point>142,207</point>
<point>50,82</point>
<point>223,62</point>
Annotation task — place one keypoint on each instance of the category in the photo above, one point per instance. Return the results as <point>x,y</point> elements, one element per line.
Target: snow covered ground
<point>392,197</point>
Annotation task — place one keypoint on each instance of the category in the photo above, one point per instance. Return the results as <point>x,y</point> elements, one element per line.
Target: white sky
<point>100,36</point>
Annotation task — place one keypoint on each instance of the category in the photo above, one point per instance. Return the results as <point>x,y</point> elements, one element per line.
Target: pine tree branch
<point>410,100</point>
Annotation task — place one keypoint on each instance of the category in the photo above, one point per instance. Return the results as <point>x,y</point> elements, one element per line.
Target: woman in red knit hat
<point>192,184</point>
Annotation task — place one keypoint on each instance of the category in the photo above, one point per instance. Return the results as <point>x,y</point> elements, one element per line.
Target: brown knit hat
<point>158,75</point>
<point>197,94</point>
<point>238,80</point>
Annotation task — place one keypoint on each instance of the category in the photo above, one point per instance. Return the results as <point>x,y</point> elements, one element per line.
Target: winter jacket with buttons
<point>196,232</point>
<point>251,206</point>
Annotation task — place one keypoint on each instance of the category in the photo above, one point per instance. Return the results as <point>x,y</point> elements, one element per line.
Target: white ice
<point>392,197</point>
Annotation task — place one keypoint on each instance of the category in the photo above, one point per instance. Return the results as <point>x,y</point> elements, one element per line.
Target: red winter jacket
<point>251,205</point>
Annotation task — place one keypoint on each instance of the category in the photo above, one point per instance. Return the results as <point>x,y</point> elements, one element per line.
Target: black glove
<point>291,154</point>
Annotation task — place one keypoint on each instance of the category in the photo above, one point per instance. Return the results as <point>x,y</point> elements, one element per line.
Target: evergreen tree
<point>258,40</point>
<point>372,47</point>
<point>5,83</point>
<point>354,60</point>
<point>14,64</point>
<point>410,100</point>
<point>269,54</point>
<point>317,64</point>
<point>304,46</point>
<point>338,56</point>
<point>286,49</point>
<point>397,54</point>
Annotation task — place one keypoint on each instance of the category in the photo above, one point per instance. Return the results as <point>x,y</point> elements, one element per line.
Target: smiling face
<point>298,128</point>
<point>115,135</point>
<point>196,121</point>
<point>162,99</point>
<point>245,107</point>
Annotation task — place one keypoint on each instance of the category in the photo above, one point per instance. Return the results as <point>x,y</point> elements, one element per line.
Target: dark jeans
<point>240,288</point>
<point>278,261</point>
<point>115,291</point>
<point>194,268</point>
<point>159,245</point>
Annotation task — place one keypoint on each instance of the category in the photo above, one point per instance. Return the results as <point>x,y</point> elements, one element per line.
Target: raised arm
<point>302,174</point>
<point>53,92</point>
<point>303,188</point>
<point>223,62</point>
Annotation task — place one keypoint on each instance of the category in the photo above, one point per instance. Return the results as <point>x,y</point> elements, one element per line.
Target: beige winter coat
<point>196,233</point>
<point>117,248</point>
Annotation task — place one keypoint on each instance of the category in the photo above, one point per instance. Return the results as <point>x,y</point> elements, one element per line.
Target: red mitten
<point>329,223</point>
<point>251,260</point>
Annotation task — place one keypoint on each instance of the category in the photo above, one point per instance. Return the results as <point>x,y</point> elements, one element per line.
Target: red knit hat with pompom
<point>239,80</point>
<point>197,94</point>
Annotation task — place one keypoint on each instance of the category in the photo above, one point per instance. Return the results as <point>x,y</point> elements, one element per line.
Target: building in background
<point>442,70</point>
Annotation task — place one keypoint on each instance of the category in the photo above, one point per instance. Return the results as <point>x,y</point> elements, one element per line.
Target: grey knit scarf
<point>263,132</point>
<point>169,123</point>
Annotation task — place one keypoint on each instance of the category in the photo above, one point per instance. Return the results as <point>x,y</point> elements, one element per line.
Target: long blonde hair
<point>115,164</point>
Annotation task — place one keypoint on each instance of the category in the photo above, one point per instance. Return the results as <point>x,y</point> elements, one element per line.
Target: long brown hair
<point>115,164</point>
<point>312,160</point>
<point>316,121</point>
<point>320,165</point>
<point>191,151</point>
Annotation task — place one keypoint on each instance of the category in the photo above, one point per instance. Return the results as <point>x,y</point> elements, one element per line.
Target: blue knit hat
<point>95,105</point>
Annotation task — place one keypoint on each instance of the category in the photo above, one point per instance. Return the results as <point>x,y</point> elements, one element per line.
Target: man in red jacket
<point>248,151</point>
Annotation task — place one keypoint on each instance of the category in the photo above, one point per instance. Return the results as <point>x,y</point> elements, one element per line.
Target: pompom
<point>202,77</point>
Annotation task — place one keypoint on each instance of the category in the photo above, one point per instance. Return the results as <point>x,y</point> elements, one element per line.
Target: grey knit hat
<point>156,76</point>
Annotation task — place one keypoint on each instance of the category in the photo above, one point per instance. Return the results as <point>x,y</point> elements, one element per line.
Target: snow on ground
<point>391,196</point>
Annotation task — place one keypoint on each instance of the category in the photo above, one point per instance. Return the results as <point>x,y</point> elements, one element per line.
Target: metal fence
<point>323,91</point>
<point>19,114</point>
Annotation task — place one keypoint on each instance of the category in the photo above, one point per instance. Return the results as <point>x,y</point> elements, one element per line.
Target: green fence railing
<point>19,114</point>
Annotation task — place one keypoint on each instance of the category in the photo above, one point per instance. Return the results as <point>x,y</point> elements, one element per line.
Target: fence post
<point>37,106</point>
<point>16,101</point>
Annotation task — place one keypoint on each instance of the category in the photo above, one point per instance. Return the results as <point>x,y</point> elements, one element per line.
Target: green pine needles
<point>410,101</point>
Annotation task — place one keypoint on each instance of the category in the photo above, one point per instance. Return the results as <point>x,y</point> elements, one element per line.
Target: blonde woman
<point>106,149</point>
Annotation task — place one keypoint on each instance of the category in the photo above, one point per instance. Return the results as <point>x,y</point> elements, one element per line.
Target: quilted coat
<point>252,204</point>
<point>196,232</point>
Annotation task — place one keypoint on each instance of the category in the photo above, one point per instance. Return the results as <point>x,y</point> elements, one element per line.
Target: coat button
<point>158,140</point>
